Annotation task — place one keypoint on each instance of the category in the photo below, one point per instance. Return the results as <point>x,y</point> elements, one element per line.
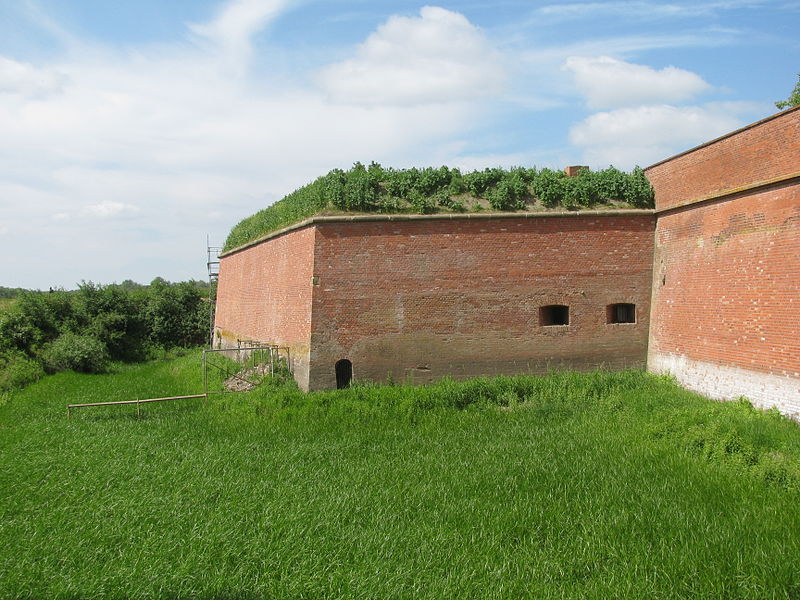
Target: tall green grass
<point>570,486</point>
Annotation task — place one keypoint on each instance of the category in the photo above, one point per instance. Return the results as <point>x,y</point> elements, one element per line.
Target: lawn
<point>570,486</point>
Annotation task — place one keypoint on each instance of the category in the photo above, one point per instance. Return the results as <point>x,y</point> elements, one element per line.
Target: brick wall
<point>759,152</point>
<point>726,275</point>
<point>264,294</point>
<point>420,299</point>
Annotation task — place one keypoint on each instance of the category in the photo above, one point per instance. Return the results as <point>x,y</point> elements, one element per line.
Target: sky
<point>131,132</point>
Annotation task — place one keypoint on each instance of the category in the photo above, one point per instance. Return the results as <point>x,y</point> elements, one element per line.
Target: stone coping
<point>777,115</point>
<point>366,218</point>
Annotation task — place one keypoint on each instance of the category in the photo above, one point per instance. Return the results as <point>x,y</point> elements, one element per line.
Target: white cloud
<point>236,23</point>
<point>26,80</point>
<point>638,9</point>
<point>436,57</point>
<point>111,210</point>
<point>163,132</point>
<point>606,82</point>
<point>646,134</point>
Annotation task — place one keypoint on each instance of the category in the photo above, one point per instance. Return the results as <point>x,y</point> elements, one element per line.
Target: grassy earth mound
<point>375,189</point>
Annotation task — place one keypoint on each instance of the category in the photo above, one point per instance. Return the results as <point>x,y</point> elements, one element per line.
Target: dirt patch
<point>246,379</point>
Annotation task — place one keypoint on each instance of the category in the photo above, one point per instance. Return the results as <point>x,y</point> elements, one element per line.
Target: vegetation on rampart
<point>593,485</point>
<point>86,329</point>
<point>793,99</point>
<point>375,189</point>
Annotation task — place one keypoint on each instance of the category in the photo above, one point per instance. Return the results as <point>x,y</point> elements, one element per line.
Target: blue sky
<point>129,131</point>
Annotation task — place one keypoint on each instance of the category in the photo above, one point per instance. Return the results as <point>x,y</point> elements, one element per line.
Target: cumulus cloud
<point>606,82</point>
<point>26,80</point>
<point>646,134</point>
<point>163,132</point>
<point>436,57</point>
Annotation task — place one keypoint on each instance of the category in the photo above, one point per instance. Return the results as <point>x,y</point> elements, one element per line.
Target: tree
<point>794,97</point>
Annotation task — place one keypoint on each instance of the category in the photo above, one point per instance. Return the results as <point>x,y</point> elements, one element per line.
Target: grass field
<point>7,303</point>
<point>570,486</point>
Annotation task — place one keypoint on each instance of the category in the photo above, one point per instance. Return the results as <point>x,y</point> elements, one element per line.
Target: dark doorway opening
<point>344,373</point>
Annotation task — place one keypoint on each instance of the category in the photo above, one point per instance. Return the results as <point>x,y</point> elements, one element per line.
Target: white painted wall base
<point>723,382</point>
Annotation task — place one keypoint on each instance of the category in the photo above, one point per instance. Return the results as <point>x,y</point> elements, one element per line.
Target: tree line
<point>87,329</point>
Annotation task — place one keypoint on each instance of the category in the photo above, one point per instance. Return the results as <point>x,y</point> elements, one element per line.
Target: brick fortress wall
<point>726,275</point>
<point>422,298</point>
<point>264,294</point>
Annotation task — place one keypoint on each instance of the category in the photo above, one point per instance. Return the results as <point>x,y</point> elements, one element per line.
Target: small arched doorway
<point>344,373</point>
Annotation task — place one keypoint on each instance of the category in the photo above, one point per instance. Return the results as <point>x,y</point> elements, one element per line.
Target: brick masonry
<point>423,299</point>
<point>759,152</point>
<point>419,298</point>
<point>264,294</point>
<point>726,272</point>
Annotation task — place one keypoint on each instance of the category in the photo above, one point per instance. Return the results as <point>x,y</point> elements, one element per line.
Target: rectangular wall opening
<point>555,314</point>
<point>621,313</point>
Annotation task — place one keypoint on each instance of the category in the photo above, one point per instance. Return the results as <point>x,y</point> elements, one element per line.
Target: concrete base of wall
<point>723,382</point>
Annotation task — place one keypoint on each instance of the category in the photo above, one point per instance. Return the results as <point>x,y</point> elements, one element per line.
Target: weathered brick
<point>264,294</point>
<point>418,299</point>
<point>726,272</point>
<point>421,299</point>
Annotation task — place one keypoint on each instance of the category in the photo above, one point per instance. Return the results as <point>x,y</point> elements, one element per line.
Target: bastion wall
<point>264,294</point>
<point>419,298</point>
<point>706,287</point>
<point>726,271</point>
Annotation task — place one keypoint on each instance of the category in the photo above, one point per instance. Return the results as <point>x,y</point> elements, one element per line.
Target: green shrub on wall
<point>374,189</point>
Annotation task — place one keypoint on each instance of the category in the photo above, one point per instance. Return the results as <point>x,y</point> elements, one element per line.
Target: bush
<point>444,200</point>
<point>17,332</point>
<point>400,183</point>
<point>478,182</point>
<point>176,315</point>
<point>361,190</point>
<point>431,180</point>
<point>84,329</point>
<point>115,317</point>
<point>611,184</point>
<point>580,190</point>
<point>82,353</point>
<point>422,204</point>
<point>510,193</point>
<point>639,192</point>
<point>548,186</point>
<point>17,371</point>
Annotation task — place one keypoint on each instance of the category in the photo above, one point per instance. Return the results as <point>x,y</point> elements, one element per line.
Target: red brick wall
<point>761,152</point>
<point>420,299</point>
<point>265,294</point>
<point>726,275</point>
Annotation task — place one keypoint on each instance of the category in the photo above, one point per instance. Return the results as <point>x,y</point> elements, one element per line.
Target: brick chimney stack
<point>574,170</point>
